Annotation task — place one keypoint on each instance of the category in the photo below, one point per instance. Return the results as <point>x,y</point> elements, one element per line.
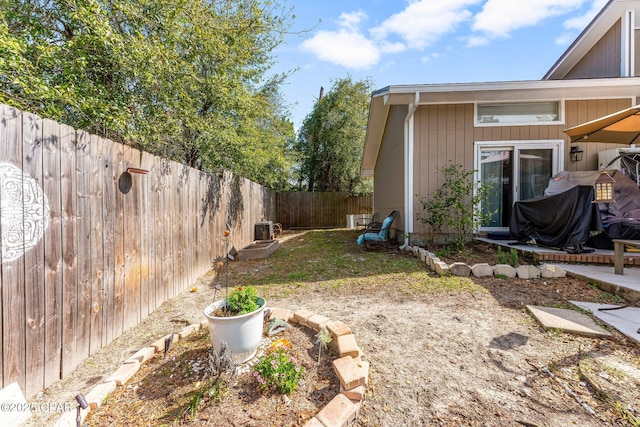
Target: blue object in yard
<point>378,236</point>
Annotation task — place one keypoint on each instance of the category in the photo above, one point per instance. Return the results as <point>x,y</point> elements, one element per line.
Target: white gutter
<point>408,170</point>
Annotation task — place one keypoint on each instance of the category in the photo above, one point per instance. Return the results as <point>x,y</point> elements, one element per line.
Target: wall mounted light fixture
<point>576,153</point>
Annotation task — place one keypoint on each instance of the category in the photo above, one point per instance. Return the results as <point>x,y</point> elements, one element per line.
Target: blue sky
<point>395,42</point>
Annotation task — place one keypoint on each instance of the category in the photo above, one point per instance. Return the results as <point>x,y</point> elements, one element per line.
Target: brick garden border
<point>350,368</point>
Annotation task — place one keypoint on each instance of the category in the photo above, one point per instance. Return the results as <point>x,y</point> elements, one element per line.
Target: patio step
<point>548,255</point>
<point>592,258</point>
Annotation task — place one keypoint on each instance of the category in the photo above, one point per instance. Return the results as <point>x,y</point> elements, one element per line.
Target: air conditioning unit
<point>605,157</point>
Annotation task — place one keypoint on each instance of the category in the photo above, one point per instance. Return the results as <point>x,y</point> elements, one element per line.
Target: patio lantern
<point>576,153</point>
<point>604,188</point>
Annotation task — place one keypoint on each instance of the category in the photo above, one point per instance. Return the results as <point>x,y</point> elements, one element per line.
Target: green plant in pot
<point>237,319</point>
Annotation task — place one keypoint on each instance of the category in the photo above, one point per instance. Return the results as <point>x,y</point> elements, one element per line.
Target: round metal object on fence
<point>124,182</point>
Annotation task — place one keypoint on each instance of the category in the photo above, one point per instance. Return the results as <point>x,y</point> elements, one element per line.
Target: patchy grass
<point>332,260</point>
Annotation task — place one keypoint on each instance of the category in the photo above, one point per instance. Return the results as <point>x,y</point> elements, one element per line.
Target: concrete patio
<point>597,267</point>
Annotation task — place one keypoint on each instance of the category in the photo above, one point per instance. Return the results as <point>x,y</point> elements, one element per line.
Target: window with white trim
<point>518,113</point>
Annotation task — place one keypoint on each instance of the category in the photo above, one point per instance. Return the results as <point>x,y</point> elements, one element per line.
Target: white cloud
<point>476,41</point>
<point>499,18</point>
<point>393,47</point>
<point>577,24</point>
<point>429,57</point>
<point>347,46</point>
<point>424,22</point>
<point>580,22</point>
<point>351,20</point>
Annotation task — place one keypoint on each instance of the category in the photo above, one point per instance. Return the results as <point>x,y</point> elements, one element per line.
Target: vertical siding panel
<point>96,242</point>
<point>70,356</point>
<point>450,116</point>
<point>469,135</point>
<point>83,229</point>
<point>433,148</point>
<point>109,178</point>
<point>53,253</point>
<point>34,264</point>
<point>13,274</point>
<point>570,120</point>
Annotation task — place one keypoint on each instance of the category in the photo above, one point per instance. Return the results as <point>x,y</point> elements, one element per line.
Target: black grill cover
<point>560,221</point>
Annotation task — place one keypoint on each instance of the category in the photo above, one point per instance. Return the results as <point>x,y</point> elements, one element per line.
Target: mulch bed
<point>165,389</point>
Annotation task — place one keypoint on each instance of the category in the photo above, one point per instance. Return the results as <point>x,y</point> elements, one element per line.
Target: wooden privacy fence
<point>319,209</point>
<point>89,249</point>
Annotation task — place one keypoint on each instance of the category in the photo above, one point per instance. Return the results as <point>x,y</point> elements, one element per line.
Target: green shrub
<point>456,205</point>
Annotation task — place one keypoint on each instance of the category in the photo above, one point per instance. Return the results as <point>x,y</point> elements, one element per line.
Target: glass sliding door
<point>514,170</point>
<point>535,169</point>
<point>496,170</point>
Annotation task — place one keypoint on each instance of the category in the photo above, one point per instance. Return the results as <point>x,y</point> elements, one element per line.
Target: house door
<point>514,171</point>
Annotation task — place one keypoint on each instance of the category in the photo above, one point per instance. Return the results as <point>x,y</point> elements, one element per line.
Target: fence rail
<point>319,209</point>
<point>89,249</point>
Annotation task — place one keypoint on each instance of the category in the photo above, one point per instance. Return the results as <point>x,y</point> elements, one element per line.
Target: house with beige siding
<point>510,133</point>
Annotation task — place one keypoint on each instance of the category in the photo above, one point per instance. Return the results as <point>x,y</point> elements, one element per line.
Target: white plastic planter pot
<point>241,333</point>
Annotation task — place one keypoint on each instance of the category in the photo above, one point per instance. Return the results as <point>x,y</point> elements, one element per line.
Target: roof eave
<point>383,99</point>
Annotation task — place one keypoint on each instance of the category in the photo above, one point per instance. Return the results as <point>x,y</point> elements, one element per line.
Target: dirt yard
<point>463,354</point>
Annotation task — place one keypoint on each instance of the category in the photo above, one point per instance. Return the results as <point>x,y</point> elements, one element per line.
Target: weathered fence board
<point>148,234</point>
<point>318,209</point>
<point>68,224</point>
<point>34,262</point>
<point>132,237</point>
<point>96,239</point>
<point>104,259</point>
<point>109,176</point>
<point>13,316</point>
<point>83,228</point>
<point>117,322</point>
<point>53,252</point>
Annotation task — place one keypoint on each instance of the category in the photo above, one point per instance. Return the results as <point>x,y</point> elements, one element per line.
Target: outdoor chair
<point>373,234</point>
<point>376,226</point>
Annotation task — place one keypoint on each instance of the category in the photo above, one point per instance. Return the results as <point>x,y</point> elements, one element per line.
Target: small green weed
<point>626,414</point>
<point>323,338</point>
<point>606,297</point>
<point>299,276</point>
<point>510,258</point>
<point>569,306</point>
<point>213,388</point>
<point>444,252</point>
